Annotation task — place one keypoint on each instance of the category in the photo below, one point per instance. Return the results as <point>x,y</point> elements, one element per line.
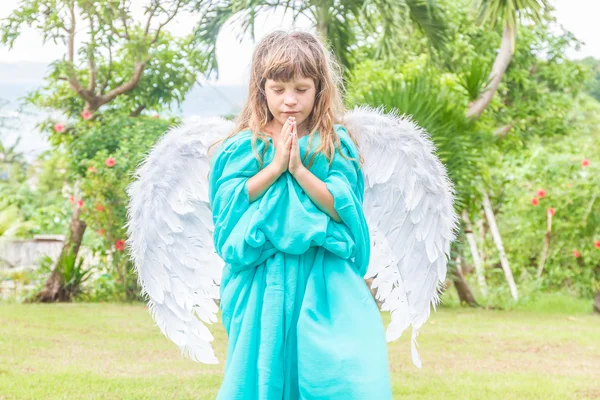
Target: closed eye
<point>279,91</point>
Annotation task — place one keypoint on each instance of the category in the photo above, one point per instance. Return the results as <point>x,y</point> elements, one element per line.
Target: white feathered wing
<point>170,235</point>
<point>408,205</point>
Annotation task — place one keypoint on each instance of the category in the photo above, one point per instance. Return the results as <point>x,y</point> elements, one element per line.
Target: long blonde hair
<point>282,56</point>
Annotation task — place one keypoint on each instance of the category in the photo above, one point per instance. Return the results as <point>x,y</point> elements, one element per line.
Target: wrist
<point>276,170</point>
<point>298,171</point>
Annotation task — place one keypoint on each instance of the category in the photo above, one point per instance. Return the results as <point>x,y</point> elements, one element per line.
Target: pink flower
<point>156,116</point>
<point>597,244</point>
<point>58,127</point>
<point>576,253</point>
<point>85,114</point>
<point>551,211</point>
<point>80,203</point>
<point>93,169</point>
<point>585,163</point>
<point>72,199</point>
<point>120,245</point>
<point>535,201</point>
<point>541,193</point>
<point>110,162</point>
<point>99,207</point>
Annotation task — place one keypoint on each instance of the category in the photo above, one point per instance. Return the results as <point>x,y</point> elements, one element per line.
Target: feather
<point>169,231</point>
<point>408,204</point>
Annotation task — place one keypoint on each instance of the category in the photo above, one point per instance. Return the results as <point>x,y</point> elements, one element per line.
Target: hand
<point>282,143</point>
<point>295,164</point>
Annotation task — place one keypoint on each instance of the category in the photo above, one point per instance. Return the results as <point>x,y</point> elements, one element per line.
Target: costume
<point>300,319</point>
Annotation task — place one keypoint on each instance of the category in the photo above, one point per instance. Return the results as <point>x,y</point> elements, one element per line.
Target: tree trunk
<point>52,289</point>
<point>491,218</point>
<point>475,253</point>
<point>597,302</point>
<point>547,237</point>
<point>501,62</point>
<point>465,294</point>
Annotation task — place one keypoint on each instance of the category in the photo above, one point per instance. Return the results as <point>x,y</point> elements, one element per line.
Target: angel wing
<point>170,235</point>
<point>408,205</point>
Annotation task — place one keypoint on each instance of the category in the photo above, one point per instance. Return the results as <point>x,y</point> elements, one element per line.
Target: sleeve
<point>345,182</point>
<point>230,168</point>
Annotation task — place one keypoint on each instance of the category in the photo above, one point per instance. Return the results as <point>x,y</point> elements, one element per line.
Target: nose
<point>290,100</point>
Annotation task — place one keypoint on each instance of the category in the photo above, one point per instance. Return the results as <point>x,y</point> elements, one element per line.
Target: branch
<point>109,73</point>
<point>91,59</point>
<point>169,19</point>
<point>71,56</point>
<point>124,20</point>
<point>152,10</point>
<point>138,111</point>
<point>124,88</point>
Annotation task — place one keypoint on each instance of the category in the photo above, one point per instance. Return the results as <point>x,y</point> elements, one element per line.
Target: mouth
<point>290,112</point>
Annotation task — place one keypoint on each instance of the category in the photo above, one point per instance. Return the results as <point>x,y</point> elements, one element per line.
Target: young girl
<point>286,192</point>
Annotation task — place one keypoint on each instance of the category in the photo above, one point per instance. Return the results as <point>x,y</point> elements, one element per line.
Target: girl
<point>286,192</point>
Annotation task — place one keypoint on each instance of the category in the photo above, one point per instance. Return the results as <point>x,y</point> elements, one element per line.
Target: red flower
<point>120,245</point>
<point>93,169</point>
<point>58,127</point>
<point>99,207</point>
<point>80,203</point>
<point>551,211</point>
<point>597,244</point>
<point>72,199</point>
<point>101,231</point>
<point>585,163</point>
<point>576,253</point>
<point>110,162</point>
<point>85,114</point>
<point>541,193</point>
<point>535,201</point>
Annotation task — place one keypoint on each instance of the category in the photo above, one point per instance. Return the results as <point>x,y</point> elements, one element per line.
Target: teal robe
<point>299,316</point>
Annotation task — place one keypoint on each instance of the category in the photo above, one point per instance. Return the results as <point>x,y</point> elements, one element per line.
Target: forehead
<point>297,81</point>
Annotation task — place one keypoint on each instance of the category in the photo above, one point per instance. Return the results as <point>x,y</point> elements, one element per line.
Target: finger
<point>286,126</point>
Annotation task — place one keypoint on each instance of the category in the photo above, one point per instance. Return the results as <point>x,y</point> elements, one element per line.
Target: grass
<point>548,349</point>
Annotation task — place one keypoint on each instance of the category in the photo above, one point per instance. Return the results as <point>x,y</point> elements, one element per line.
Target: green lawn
<point>548,350</point>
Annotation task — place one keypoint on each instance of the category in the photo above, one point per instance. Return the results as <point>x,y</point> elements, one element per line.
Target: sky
<point>234,56</point>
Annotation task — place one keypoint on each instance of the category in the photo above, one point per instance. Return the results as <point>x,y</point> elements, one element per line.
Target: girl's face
<point>297,95</point>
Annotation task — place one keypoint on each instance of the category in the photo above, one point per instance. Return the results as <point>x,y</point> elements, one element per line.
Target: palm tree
<point>509,12</point>
<point>342,23</point>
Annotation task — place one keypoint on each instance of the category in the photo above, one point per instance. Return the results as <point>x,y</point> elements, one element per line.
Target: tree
<point>509,12</point>
<point>123,64</point>
<point>343,24</point>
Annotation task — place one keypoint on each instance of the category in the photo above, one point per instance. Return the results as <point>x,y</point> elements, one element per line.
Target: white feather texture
<point>170,235</point>
<point>408,205</point>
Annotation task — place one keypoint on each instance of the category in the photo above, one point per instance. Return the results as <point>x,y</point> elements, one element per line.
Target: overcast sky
<point>578,16</point>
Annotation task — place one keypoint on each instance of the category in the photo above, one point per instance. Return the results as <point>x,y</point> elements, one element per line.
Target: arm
<point>317,190</point>
<point>259,183</point>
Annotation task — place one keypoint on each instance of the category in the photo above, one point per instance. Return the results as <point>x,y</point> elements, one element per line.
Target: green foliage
<point>592,86</point>
<point>37,196</point>
<point>555,165</point>
<point>72,275</point>
<point>433,101</point>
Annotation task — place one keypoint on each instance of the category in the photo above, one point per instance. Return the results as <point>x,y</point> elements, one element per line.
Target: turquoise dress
<point>300,320</point>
